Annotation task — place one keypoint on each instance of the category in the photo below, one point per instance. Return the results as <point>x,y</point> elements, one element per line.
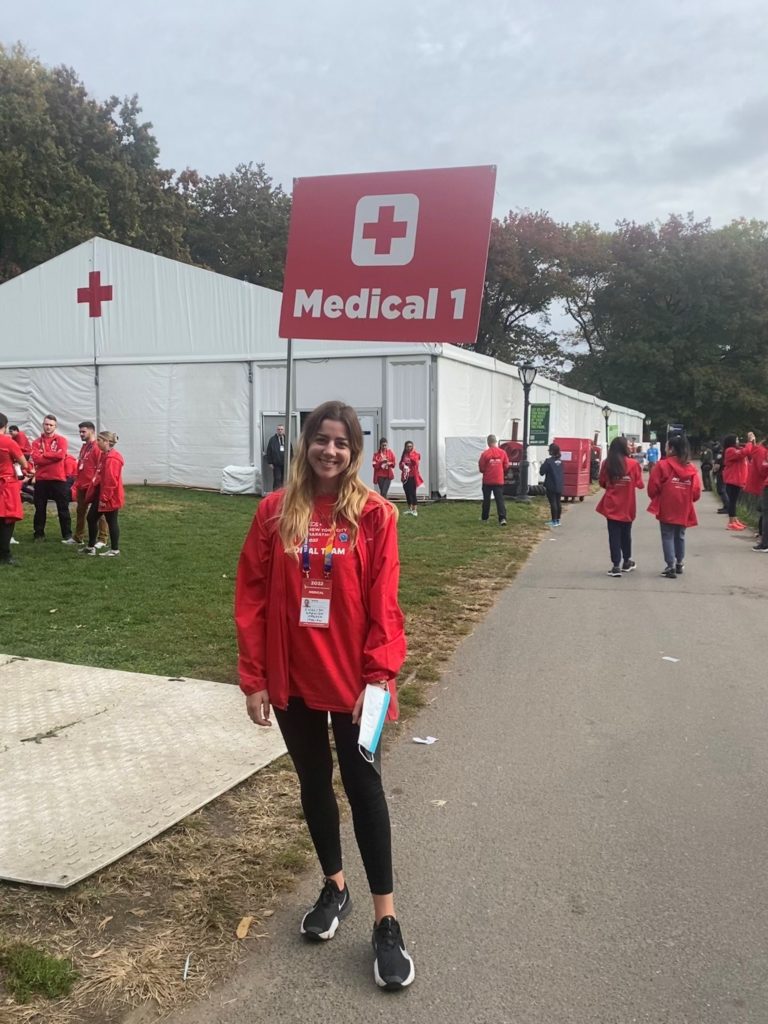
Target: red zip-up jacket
<point>754,484</point>
<point>365,615</point>
<point>87,464</point>
<point>48,455</point>
<point>22,441</point>
<point>380,472</point>
<point>109,480</point>
<point>619,501</point>
<point>735,465</point>
<point>760,462</point>
<point>409,468</point>
<point>673,487</point>
<point>493,464</point>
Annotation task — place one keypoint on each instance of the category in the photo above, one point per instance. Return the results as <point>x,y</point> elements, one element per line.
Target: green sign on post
<point>613,431</point>
<point>538,424</point>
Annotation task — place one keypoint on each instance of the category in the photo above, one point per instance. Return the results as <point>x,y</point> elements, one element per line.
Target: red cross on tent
<point>385,230</point>
<point>95,293</point>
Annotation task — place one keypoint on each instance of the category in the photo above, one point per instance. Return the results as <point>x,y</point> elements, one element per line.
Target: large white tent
<point>188,368</point>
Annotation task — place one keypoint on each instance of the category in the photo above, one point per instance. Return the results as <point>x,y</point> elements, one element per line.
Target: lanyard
<point>327,554</point>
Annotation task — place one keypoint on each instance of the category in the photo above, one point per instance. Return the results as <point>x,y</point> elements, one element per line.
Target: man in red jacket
<point>21,440</point>
<point>493,464</point>
<point>87,464</point>
<point>49,452</point>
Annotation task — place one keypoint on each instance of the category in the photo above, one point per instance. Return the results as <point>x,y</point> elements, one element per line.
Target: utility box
<point>576,456</point>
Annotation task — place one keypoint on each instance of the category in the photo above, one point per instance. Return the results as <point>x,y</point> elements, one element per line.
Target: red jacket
<point>365,641</point>
<point>735,465</point>
<point>87,464</point>
<point>48,455</point>
<point>619,501</point>
<point>673,487</point>
<point>10,486</point>
<point>754,484</point>
<point>409,467</point>
<point>384,472</point>
<point>22,441</point>
<point>493,464</point>
<point>109,480</point>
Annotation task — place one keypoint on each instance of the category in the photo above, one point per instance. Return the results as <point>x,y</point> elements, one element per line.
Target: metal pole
<point>522,486</point>
<point>288,407</point>
<point>606,436</point>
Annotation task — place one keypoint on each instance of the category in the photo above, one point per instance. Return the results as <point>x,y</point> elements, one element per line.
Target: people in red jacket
<point>760,460</point>
<point>493,464</point>
<point>410,476</point>
<point>21,440</point>
<point>735,474</point>
<point>673,487</point>
<point>318,622</point>
<point>106,495</point>
<point>383,467</point>
<point>621,477</point>
<point>11,511</point>
<point>49,452</point>
<point>87,464</point>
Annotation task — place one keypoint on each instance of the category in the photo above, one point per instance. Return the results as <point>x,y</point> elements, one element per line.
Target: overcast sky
<point>593,110</point>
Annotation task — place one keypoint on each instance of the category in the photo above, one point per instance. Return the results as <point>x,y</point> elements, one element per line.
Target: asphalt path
<point>587,840</point>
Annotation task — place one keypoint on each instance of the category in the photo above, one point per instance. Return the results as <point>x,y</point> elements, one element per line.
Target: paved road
<point>602,853</point>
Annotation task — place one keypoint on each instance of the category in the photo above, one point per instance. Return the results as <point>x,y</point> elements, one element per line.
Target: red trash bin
<point>576,454</point>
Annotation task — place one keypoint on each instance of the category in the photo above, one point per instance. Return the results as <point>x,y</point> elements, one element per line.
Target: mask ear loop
<point>366,754</point>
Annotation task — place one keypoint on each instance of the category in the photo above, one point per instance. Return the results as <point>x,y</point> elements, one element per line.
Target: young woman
<point>410,476</point>
<point>552,471</point>
<point>383,467</point>
<point>105,496</point>
<point>621,477</point>
<point>673,487</point>
<point>735,474</point>
<point>317,620</point>
<point>11,457</point>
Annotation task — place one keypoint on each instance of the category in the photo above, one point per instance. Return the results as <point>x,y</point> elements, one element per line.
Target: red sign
<point>396,256</point>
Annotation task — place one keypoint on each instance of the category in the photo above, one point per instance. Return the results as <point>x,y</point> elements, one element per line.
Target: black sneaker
<point>323,919</point>
<point>760,547</point>
<point>669,573</point>
<point>629,566</point>
<point>722,511</point>
<point>392,966</point>
<point>679,568</point>
<point>614,571</point>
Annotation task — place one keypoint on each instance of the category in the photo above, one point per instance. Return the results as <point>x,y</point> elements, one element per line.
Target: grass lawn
<point>120,937</point>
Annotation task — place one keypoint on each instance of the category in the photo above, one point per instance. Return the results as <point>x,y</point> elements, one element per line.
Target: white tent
<point>188,368</point>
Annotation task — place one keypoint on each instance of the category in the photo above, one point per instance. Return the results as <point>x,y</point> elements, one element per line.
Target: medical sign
<point>392,256</point>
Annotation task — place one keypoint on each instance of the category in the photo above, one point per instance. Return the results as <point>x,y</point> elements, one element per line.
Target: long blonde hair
<point>300,492</point>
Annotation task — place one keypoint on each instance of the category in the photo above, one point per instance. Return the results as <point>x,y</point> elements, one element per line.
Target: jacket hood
<point>687,469</point>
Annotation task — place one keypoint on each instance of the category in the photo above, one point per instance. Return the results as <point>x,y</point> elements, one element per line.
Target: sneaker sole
<point>325,936</point>
<point>393,986</point>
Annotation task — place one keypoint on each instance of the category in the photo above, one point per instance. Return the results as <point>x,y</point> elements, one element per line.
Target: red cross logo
<point>384,230</point>
<point>95,293</point>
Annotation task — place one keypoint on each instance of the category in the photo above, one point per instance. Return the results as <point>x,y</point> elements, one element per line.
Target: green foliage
<point>28,972</point>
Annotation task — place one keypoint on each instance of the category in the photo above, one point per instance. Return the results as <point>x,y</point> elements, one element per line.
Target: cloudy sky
<point>593,110</point>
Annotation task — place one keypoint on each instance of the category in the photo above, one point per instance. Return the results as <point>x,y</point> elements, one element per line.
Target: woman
<point>673,487</point>
<point>621,477</point>
<point>105,496</point>
<point>383,467</point>
<point>735,475</point>
<point>317,621</point>
<point>13,465</point>
<point>552,471</point>
<point>410,476</point>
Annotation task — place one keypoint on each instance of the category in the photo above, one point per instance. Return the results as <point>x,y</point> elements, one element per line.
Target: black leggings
<point>410,491</point>
<point>305,732</point>
<point>93,524</point>
<point>620,541</point>
<point>6,532</point>
<point>733,491</point>
<point>555,506</point>
<point>383,483</point>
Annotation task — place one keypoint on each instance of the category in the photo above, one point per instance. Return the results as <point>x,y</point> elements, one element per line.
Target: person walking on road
<point>318,621</point>
<point>410,476</point>
<point>673,487</point>
<point>383,467</point>
<point>621,477</point>
<point>735,475</point>
<point>493,464</point>
<point>552,471</point>
<point>276,456</point>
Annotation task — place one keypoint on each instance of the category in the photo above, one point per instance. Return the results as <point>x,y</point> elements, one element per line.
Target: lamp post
<point>647,422</point>
<point>606,414</point>
<point>527,375</point>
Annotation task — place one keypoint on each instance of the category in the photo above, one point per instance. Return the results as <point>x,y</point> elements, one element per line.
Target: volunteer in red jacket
<point>410,476</point>
<point>87,464</point>
<point>12,463</point>
<point>673,487</point>
<point>49,452</point>
<point>383,467</point>
<point>106,495</point>
<point>735,457</point>
<point>318,619</point>
<point>760,459</point>
<point>493,464</point>
<point>21,440</point>
<point>621,477</point>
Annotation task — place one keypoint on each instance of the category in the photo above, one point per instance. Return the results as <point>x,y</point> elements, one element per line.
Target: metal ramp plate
<point>95,762</point>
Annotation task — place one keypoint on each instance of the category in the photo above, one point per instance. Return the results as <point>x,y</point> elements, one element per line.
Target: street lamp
<point>527,374</point>
<point>647,422</point>
<point>606,414</point>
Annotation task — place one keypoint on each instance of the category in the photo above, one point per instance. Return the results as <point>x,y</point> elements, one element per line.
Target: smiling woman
<point>319,626</point>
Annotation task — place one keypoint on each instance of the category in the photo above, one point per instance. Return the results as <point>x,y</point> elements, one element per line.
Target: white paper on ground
<point>427,739</point>
<point>667,658</point>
